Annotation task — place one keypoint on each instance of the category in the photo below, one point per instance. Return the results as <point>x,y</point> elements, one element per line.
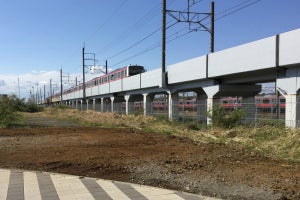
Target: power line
<point>232,10</point>
<point>238,9</point>
<point>136,26</point>
<point>154,46</point>
<point>107,20</point>
<point>135,44</point>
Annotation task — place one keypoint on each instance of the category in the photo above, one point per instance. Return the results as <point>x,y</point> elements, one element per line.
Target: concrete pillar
<point>76,104</point>
<point>94,104</point>
<point>128,107</point>
<point>112,99</point>
<point>292,113</point>
<point>87,104</point>
<point>201,102</point>
<point>173,110</point>
<point>289,86</point>
<point>249,109</point>
<point>210,91</point>
<point>102,104</point>
<point>148,103</point>
<point>81,106</point>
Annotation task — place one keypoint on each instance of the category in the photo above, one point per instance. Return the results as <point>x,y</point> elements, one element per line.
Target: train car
<point>231,103</point>
<point>187,104</point>
<point>268,102</point>
<point>117,74</point>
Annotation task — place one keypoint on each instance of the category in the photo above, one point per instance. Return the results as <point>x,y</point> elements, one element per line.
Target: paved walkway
<point>20,185</point>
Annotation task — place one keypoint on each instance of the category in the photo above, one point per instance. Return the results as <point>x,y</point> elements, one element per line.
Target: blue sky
<point>38,37</point>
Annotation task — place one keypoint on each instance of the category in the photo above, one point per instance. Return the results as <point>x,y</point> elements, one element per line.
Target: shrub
<point>8,112</point>
<point>220,117</point>
<point>32,107</point>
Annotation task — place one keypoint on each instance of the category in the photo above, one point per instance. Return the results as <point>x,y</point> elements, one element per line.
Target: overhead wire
<point>155,45</point>
<point>99,28</point>
<point>146,37</point>
<point>136,26</point>
<point>238,9</point>
<point>227,12</point>
<point>108,19</point>
<point>141,22</point>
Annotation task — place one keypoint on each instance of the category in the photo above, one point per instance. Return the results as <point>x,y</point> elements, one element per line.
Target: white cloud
<point>30,83</point>
<point>2,83</point>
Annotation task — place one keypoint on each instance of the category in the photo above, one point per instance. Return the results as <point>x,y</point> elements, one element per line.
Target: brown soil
<point>152,159</point>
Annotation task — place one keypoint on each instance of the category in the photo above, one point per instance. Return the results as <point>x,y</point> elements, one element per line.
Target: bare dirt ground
<point>148,158</point>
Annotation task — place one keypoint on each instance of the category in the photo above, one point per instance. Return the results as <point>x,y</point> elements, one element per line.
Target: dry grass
<point>272,141</point>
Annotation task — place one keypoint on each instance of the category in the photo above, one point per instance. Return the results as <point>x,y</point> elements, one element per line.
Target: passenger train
<point>263,103</point>
<point>117,74</point>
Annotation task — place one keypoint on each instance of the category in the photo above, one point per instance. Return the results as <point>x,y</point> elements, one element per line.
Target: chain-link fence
<point>250,112</point>
<point>259,109</point>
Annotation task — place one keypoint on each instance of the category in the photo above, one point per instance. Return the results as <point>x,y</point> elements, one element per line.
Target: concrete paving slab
<point>23,185</point>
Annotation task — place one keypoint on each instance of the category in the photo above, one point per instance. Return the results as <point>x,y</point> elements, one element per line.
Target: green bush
<point>32,107</point>
<point>8,112</point>
<point>225,119</point>
<point>9,108</point>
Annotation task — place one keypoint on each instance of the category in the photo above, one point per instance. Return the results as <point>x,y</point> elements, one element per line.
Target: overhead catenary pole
<point>44,94</point>
<point>83,74</point>
<point>51,91</point>
<point>61,86</point>
<point>19,87</point>
<point>196,18</point>
<point>163,51</point>
<point>212,28</point>
<point>106,67</point>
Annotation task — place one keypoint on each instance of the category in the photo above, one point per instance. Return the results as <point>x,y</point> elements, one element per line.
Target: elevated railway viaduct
<point>235,71</point>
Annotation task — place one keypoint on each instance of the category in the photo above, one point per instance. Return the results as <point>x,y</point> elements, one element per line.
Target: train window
<point>119,75</point>
<point>122,74</point>
<point>266,100</point>
<point>282,100</point>
<point>133,70</point>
